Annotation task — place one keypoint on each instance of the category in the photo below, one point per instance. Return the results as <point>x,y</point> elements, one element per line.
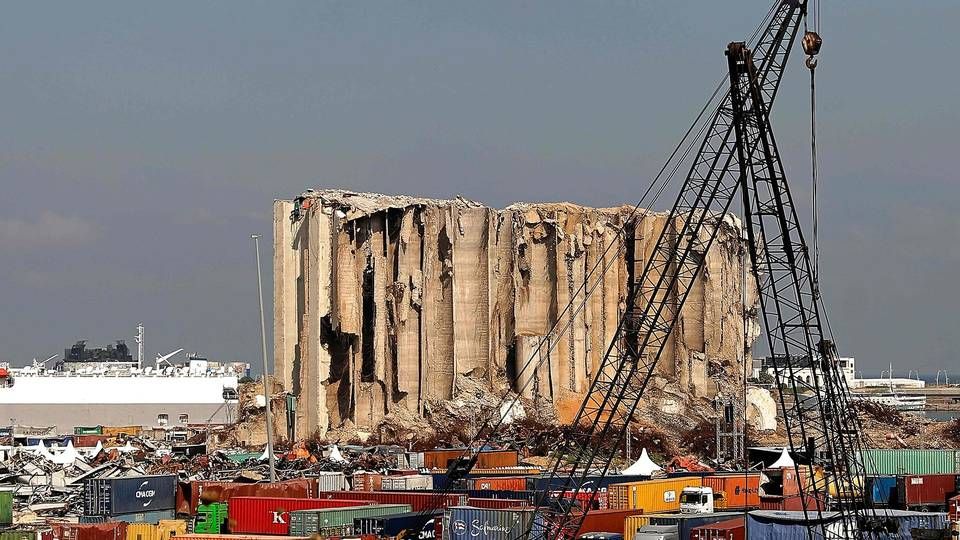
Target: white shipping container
<point>332,481</point>
<point>407,482</point>
<point>415,460</point>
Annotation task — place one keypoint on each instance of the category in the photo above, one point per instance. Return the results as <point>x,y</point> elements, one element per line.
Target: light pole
<point>266,371</point>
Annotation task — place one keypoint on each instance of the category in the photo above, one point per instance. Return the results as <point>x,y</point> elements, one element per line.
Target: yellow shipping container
<point>168,528</point>
<point>142,531</point>
<point>651,496</point>
<point>116,431</point>
<point>632,523</point>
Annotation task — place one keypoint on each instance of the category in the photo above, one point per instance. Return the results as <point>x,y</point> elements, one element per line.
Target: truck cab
<point>697,500</point>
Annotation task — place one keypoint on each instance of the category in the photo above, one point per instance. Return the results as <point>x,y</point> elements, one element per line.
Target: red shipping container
<point>605,520</point>
<point>792,503</point>
<point>927,490</point>
<point>497,504</point>
<point>270,515</point>
<point>238,537</point>
<point>417,501</point>
<point>729,529</point>
<point>112,530</point>
<point>740,491</point>
<point>189,493</point>
<point>499,483</point>
<point>367,481</point>
<point>600,502</point>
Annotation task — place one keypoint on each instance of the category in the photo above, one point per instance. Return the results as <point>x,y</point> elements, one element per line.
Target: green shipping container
<point>6,507</point>
<point>18,535</point>
<point>338,521</point>
<point>907,461</point>
<point>88,430</point>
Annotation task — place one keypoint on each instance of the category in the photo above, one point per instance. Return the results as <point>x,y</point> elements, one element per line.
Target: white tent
<point>96,450</point>
<point>265,456</point>
<point>67,456</point>
<point>41,450</point>
<point>335,454</point>
<point>783,461</point>
<point>643,467</point>
<point>125,449</point>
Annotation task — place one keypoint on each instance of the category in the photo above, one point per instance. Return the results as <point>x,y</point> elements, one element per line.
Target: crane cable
<point>811,47</point>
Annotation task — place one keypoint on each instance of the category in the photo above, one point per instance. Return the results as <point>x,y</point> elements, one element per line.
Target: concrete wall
<point>383,302</point>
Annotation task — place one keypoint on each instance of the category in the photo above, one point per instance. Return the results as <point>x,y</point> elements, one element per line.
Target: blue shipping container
<point>469,523</point>
<point>138,517</point>
<point>774,525</point>
<point>412,523</point>
<point>128,495</point>
<point>882,490</point>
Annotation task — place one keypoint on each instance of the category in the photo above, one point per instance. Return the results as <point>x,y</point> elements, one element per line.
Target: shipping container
<point>685,523</point>
<point>408,525</point>
<point>368,481</point>
<point>907,461</point>
<point>168,528</point>
<point>651,496</point>
<point>153,517</point>
<point>113,530</point>
<point>88,430</point>
<point>728,529</point>
<point>769,525</point>
<point>441,458</point>
<point>545,483</point>
<point>513,483</point>
<point>501,504</point>
<point>954,508</point>
<point>600,536</point>
<point>142,531</point>
<point>189,494</point>
<point>407,482</point>
<point>331,481</point>
<point>417,500</point>
<point>116,431</point>
<point>881,490</point>
<point>610,521</point>
<point>109,496</point>
<point>586,498</point>
<point>929,491</point>
<point>791,503</point>
<point>468,523</point>
<point>528,496</point>
<point>6,507</point>
<point>90,441</point>
<point>271,515</point>
<point>338,521</point>
<point>734,491</point>
<point>632,523</point>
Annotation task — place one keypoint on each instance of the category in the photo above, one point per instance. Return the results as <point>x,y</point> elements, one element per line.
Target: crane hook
<point>811,47</point>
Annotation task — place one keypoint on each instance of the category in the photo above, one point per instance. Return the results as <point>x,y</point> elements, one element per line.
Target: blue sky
<point>143,143</point>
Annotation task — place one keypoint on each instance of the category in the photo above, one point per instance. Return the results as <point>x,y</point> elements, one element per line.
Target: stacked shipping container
<point>271,515</point>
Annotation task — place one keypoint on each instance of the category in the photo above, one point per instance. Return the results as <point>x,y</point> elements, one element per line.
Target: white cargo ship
<point>109,387</point>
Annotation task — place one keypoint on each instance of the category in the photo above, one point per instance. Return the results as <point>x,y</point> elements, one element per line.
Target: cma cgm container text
<point>271,515</point>
<point>651,496</point>
<point>417,501</point>
<point>728,529</point>
<point>409,524</point>
<point>109,496</point>
<point>468,523</point>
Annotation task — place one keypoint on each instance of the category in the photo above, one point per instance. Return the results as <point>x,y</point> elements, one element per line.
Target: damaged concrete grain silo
<point>390,303</point>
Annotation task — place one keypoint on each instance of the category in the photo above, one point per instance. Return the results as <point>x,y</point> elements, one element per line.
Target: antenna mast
<point>139,340</point>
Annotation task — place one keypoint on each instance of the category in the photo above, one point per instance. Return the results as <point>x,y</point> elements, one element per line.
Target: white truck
<point>700,500</point>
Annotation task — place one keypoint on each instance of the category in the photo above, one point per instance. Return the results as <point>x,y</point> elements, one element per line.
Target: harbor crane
<point>737,161</point>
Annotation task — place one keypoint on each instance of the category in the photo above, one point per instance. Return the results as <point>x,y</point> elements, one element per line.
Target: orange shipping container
<point>367,481</point>
<point>440,459</point>
<point>739,490</point>
<point>504,483</point>
<point>116,431</point>
<point>651,496</point>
